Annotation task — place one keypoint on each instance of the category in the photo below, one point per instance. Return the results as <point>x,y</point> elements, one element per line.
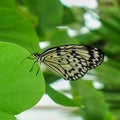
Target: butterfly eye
<point>36,54</point>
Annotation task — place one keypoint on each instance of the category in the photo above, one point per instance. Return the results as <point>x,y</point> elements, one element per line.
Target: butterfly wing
<point>72,61</point>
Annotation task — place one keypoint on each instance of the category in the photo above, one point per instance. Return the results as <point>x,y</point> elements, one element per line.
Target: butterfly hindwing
<point>72,61</point>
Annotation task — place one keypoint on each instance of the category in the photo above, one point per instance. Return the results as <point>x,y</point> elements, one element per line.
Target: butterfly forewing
<point>72,61</point>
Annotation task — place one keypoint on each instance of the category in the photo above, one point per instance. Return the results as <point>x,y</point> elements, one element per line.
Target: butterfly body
<point>71,61</point>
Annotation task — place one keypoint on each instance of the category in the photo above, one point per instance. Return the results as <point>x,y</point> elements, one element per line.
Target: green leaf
<point>61,98</point>
<point>16,29</point>
<point>49,13</point>
<point>95,107</point>
<point>50,77</point>
<point>8,4</point>
<point>6,116</point>
<point>108,74</point>
<point>88,38</point>
<point>59,37</point>
<point>19,88</point>
<point>68,16</point>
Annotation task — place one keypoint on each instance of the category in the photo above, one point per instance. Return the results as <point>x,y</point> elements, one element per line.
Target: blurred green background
<point>26,23</point>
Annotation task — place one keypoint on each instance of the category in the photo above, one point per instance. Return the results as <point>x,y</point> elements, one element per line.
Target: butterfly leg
<point>33,65</point>
<point>37,71</point>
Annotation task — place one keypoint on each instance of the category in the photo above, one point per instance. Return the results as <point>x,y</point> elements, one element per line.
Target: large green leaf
<point>8,4</point>
<point>19,88</point>
<point>6,116</point>
<point>16,29</point>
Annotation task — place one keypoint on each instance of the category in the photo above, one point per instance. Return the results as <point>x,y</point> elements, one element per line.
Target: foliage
<point>25,23</point>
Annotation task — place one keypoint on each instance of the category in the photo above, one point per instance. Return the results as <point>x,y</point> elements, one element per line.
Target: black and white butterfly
<point>70,61</point>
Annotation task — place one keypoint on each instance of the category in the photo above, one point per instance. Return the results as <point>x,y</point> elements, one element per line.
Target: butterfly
<point>70,61</point>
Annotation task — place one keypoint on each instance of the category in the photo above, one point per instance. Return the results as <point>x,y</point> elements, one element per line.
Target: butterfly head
<point>37,56</point>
